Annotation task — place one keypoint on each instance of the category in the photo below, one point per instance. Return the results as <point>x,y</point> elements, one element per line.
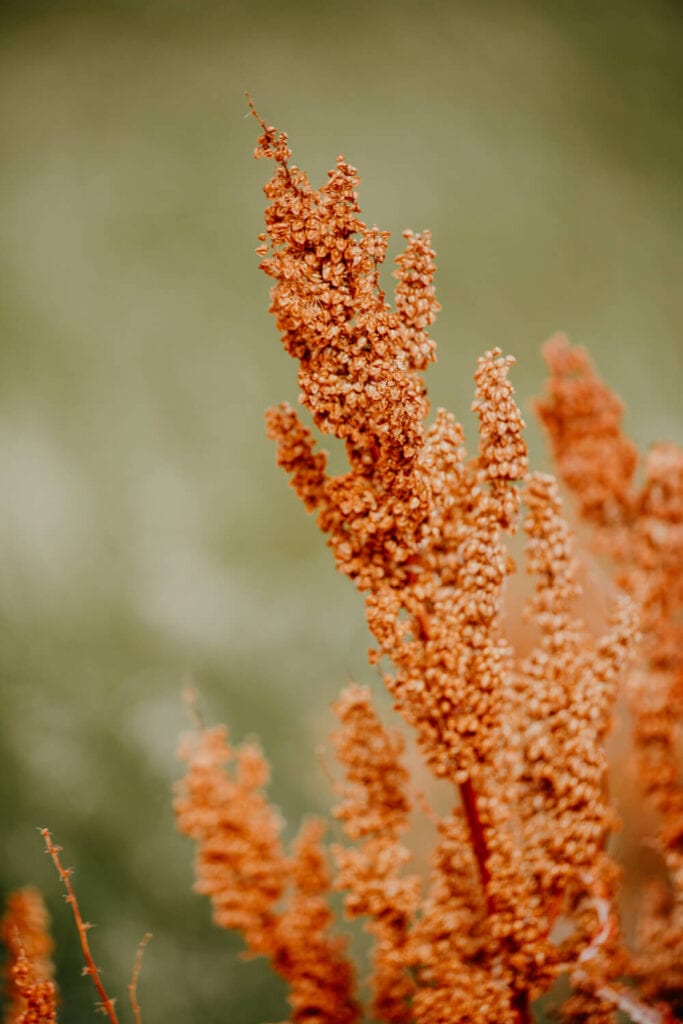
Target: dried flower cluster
<point>30,990</point>
<point>242,866</point>
<point>640,528</point>
<point>521,889</point>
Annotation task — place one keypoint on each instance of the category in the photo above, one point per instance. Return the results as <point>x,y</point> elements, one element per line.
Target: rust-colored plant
<point>91,970</point>
<point>522,887</point>
<point>242,866</point>
<point>29,986</point>
<point>639,526</point>
<point>31,994</point>
<point>522,891</point>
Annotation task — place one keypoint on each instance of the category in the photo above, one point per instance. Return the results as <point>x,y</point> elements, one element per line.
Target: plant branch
<point>106,1003</point>
<point>133,985</point>
<point>520,1000</point>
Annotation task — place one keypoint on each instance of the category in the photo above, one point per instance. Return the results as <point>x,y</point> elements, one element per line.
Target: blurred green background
<point>146,536</point>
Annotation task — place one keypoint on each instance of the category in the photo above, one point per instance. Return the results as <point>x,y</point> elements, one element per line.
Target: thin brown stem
<point>521,1007</point>
<point>481,854</point>
<point>82,926</point>
<point>133,986</point>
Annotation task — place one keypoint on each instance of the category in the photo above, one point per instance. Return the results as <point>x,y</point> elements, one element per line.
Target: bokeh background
<point>146,537</point>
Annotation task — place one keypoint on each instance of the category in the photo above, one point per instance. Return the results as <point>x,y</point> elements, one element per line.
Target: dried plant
<point>242,866</point>
<point>640,528</point>
<point>29,985</point>
<point>522,889</point>
<point>31,994</point>
<point>106,1005</point>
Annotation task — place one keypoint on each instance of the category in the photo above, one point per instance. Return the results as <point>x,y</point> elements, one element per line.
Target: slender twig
<point>133,985</point>
<point>106,1003</point>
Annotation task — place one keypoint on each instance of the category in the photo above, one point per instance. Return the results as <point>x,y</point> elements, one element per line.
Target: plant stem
<point>519,999</point>
<point>64,873</point>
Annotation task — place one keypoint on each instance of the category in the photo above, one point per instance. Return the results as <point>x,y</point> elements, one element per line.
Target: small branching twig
<point>133,985</point>
<point>106,1004</point>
